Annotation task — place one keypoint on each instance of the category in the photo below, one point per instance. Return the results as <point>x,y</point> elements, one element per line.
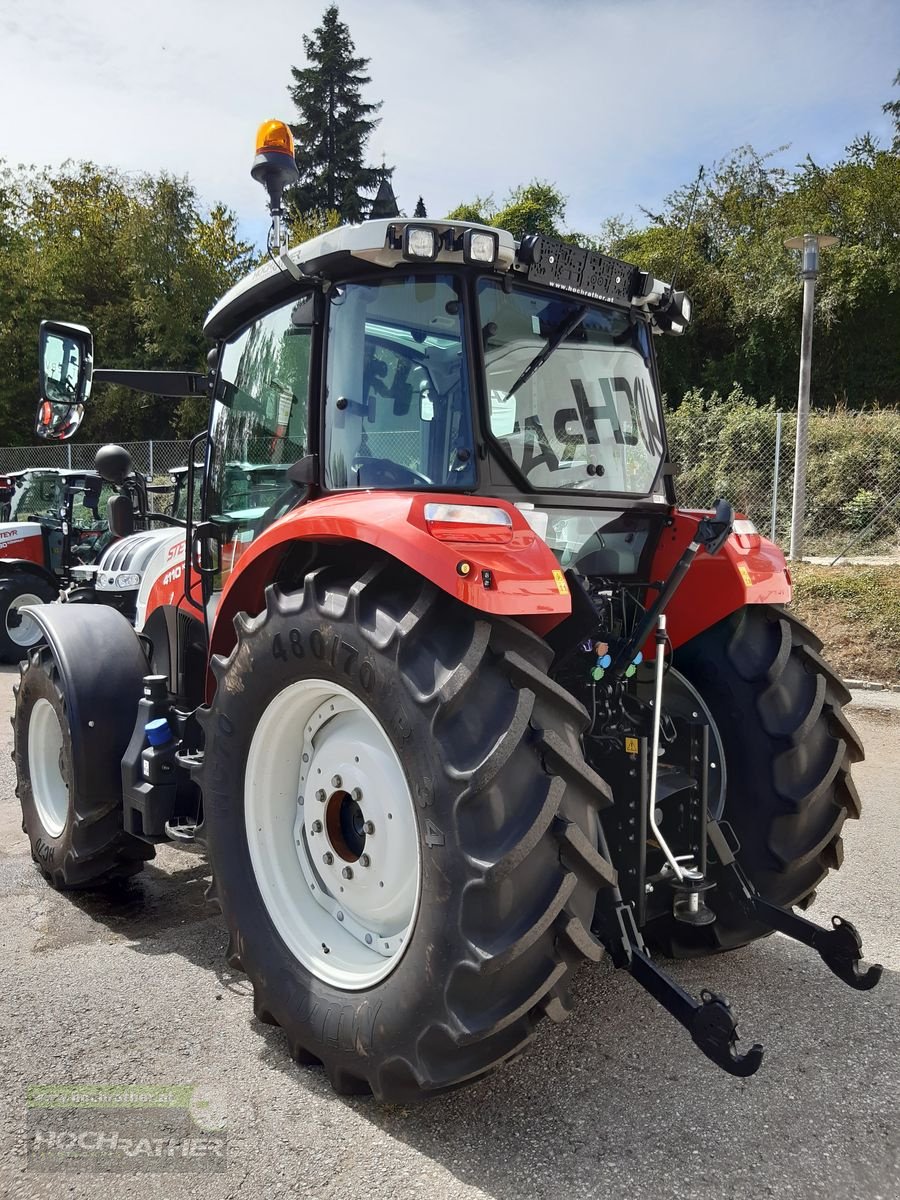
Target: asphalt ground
<point>616,1102</point>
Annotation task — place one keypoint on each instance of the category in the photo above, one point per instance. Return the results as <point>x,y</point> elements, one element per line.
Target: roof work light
<point>420,242</point>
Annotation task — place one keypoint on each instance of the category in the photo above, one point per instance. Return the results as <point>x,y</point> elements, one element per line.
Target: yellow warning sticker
<point>631,746</point>
<point>744,572</point>
<point>561,586</point>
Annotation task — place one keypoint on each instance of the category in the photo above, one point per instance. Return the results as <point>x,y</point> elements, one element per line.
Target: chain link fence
<point>153,459</point>
<point>732,447</point>
<point>745,452</point>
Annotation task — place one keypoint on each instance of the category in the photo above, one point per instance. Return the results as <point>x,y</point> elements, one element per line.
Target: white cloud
<point>615,102</point>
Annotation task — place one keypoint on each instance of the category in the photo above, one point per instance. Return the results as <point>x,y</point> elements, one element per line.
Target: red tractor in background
<point>55,524</point>
<point>466,699</point>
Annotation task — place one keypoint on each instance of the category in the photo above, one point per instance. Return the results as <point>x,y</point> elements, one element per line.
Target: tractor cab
<point>68,506</point>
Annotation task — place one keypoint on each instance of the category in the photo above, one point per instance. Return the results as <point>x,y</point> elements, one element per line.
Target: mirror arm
<point>156,383</point>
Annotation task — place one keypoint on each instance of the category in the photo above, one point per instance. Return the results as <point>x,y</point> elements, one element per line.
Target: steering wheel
<point>385,472</point>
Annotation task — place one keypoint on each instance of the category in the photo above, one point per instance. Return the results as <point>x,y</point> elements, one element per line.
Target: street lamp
<point>809,244</point>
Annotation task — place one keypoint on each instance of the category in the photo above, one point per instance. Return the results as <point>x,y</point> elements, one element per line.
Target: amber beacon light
<point>274,165</point>
<point>274,137</point>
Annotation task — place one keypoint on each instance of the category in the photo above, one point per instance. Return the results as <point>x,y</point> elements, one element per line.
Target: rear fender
<point>22,566</point>
<point>22,542</point>
<point>518,578</point>
<point>747,570</point>
<point>102,667</point>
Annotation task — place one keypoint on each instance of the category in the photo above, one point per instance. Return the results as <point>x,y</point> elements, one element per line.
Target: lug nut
<point>369,827</point>
<point>364,860</point>
<point>320,796</point>
<point>347,873</point>
<point>357,794</point>
<point>336,781</point>
<point>316,826</point>
<point>327,858</point>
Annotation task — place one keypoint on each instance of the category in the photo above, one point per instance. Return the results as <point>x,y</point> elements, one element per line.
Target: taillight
<point>468,523</point>
<point>747,534</point>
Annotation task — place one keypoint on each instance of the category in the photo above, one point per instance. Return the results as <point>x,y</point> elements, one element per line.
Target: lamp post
<point>809,244</point>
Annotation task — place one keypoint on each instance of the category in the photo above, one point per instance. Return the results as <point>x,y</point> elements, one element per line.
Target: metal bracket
<point>710,1021</point>
<point>840,947</point>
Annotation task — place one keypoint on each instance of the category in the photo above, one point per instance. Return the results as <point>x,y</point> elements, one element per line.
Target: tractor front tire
<point>788,749</point>
<point>401,828</point>
<point>77,839</point>
<point>18,632</point>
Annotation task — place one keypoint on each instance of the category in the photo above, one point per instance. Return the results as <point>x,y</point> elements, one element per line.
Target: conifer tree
<point>334,124</point>
<point>420,209</point>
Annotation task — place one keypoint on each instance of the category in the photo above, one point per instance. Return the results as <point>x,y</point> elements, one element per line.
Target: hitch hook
<point>710,1022</point>
<point>840,949</point>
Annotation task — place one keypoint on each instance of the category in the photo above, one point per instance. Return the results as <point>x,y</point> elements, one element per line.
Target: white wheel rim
<point>315,740</point>
<point>24,629</point>
<point>48,784</point>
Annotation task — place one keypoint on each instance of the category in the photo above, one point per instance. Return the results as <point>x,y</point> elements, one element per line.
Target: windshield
<point>397,399</point>
<point>584,415</point>
<point>40,496</point>
<point>258,428</point>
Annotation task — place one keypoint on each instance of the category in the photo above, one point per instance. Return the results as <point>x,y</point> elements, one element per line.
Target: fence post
<point>778,417</point>
<point>69,455</point>
<point>151,459</point>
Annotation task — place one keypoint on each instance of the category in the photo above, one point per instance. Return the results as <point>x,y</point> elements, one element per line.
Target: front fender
<point>102,667</point>
<point>747,570</point>
<point>518,578</point>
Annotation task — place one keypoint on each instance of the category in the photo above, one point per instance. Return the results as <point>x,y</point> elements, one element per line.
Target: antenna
<point>684,232</point>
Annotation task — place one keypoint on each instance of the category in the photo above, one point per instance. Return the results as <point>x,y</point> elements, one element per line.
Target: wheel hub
<point>46,766</point>
<point>343,889</point>
<point>364,881</point>
<point>21,626</point>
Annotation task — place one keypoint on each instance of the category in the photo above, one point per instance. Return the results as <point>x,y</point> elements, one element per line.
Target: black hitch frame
<point>840,947</point>
<point>709,1020</point>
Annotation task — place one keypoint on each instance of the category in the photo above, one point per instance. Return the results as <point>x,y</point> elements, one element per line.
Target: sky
<point>616,101</point>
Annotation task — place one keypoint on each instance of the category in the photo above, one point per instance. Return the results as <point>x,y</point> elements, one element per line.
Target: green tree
<point>138,260</point>
<point>334,126</point>
<point>536,207</point>
<point>893,108</point>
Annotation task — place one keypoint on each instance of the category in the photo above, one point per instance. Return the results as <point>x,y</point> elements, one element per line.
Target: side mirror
<point>91,497</point>
<point>66,367</point>
<point>206,550</point>
<point>120,515</point>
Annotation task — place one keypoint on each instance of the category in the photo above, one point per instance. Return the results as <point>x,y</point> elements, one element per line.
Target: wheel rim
<point>48,783</point>
<point>332,833</point>
<point>21,627</point>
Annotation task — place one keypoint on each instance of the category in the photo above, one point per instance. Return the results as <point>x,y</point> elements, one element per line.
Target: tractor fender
<point>518,577</point>
<point>102,667</point>
<point>21,566</point>
<point>749,569</point>
<point>25,541</point>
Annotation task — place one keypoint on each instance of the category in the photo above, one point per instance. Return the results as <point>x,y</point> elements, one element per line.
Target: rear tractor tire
<point>788,747</point>
<point>401,828</point>
<point>77,839</point>
<point>19,632</point>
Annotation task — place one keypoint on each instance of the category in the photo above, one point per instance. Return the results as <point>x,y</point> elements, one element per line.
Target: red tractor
<point>53,534</point>
<point>466,699</point>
